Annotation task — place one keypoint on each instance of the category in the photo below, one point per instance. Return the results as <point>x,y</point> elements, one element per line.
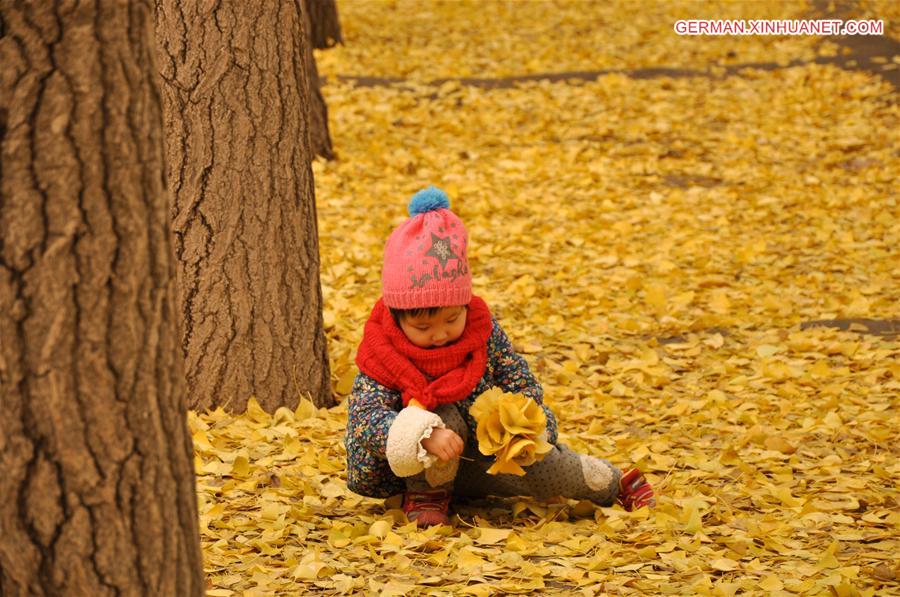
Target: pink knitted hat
<point>425,261</point>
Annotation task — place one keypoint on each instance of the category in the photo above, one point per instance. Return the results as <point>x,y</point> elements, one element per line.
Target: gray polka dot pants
<point>561,473</point>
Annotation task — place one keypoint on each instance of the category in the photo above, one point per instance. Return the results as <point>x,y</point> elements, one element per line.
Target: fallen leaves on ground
<point>478,39</point>
<point>651,247</point>
<point>886,10</point>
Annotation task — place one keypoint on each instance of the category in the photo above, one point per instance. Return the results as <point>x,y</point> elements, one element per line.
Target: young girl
<point>431,342</point>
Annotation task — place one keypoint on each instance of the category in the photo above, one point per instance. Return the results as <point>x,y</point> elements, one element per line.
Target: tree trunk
<point>98,494</point>
<point>326,27</point>
<point>319,135</point>
<point>237,119</point>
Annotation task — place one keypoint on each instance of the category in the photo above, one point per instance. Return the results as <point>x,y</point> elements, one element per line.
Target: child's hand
<point>444,443</point>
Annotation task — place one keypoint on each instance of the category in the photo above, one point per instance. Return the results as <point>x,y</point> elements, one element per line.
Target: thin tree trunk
<point>319,135</point>
<point>237,116</point>
<point>326,27</point>
<point>98,494</point>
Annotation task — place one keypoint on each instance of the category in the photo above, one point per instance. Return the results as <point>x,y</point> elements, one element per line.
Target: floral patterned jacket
<point>374,407</point>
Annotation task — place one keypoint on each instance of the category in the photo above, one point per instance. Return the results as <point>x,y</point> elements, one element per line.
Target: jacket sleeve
<point>378,424</point>
<point>371,411</point>
<point>511,374</point>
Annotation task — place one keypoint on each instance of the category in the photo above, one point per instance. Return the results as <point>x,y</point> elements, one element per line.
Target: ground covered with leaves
<point>656,248</point>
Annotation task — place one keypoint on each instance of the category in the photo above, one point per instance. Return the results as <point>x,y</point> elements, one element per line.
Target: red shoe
<point>427,508</point>
<point>634,491</point>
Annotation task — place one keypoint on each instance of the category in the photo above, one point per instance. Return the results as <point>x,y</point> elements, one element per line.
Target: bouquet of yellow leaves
<point>512,428</point>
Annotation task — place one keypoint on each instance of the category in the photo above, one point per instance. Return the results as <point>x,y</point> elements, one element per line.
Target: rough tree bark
<point>98,494</point>
<point>319,135</point>
<point>237,117</point>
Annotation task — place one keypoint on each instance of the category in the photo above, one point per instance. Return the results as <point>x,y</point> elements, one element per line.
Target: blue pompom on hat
<point>427,200</point>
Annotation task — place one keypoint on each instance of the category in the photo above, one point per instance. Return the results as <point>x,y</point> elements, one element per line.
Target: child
<point>428,340</point>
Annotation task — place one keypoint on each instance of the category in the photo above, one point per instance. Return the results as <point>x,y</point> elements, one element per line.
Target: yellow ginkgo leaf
<point>491,435</point>
<point>519,447</point>
<point>514,418</point>
<point>495,430</point>
<point>486,403</point>
<point>505,466</point>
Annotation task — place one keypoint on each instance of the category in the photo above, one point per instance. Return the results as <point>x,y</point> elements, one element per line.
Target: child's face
<point>440,329</point>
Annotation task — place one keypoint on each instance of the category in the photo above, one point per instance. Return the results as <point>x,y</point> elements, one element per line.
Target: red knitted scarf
<point>433,376</point>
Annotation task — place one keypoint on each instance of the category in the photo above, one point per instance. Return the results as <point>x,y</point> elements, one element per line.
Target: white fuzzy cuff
<point>405,453</point>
